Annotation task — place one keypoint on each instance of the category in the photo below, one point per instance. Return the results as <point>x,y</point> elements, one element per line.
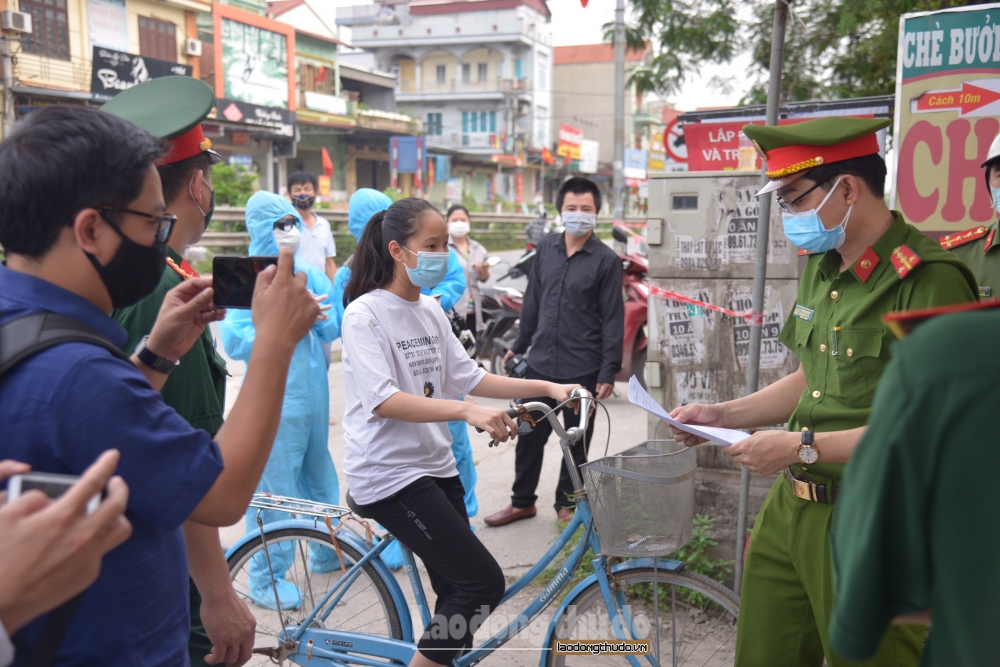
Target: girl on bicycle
<point>403,368</point>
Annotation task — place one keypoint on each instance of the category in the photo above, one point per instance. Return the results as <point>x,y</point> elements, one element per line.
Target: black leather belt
<point>806,489</point>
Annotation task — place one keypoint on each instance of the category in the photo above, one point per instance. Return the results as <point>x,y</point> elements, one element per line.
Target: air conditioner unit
<point>17,21</point>
<point>192,47</point>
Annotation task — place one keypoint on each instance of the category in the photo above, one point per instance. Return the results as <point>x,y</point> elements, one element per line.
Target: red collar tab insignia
<point>989,240</point>
<point>185,270</point>
<point>904,260</point>
<point>864,266</point>
<point>961,238</point>
<point>803,252</point>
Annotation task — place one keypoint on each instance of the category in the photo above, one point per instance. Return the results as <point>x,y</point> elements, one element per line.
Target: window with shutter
<point>157,39</point>
<point>51,29</point>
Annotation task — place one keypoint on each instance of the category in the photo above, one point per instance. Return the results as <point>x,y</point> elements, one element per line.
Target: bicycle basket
<point>643,498</point>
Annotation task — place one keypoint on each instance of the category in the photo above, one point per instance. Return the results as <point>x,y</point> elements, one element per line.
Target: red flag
<point>321,74</point>
<point>431,172</point>
<point>327,163</point>
<point>584,3</point>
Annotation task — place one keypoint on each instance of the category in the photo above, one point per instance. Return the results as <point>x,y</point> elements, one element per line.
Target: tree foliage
<point>833,48</point>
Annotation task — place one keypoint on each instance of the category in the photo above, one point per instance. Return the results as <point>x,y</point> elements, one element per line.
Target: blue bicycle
<point>635,508</point>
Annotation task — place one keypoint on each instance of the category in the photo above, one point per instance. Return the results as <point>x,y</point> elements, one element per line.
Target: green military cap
<point>172,108</point>
<point>791,150</point>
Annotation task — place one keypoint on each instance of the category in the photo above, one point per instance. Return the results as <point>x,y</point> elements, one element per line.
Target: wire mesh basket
<point>643,498</point>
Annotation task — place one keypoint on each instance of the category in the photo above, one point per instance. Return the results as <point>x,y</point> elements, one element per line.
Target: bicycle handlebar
<point>574,433</point>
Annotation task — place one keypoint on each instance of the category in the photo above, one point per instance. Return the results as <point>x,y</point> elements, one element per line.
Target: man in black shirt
<point>574,320</point>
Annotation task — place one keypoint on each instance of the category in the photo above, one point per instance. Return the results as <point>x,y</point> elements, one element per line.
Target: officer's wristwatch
<point>807,448</point>
<point>157,363</point>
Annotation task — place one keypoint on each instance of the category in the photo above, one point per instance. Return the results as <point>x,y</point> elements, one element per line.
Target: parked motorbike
<point>501,308</point>
<point>634,270</point>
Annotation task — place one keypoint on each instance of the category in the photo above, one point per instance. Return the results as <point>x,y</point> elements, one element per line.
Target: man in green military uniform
<point>172,108</point>
<point>864,261</point>
<point>909,537</point>
<point>979,247</point>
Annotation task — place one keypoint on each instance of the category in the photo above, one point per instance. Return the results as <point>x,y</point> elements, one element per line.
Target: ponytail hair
<point>373,267</point>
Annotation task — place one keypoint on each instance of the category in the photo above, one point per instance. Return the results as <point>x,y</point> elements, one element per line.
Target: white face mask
<point>578,223</point>
<point>459,228</point>
<point>288,238</point>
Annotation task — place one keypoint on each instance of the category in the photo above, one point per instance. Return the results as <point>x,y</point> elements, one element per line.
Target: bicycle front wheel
<point>695,623</point>
<point>301,564</point>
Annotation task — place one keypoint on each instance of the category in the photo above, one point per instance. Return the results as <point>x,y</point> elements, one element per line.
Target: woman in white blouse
<point>472,256</point>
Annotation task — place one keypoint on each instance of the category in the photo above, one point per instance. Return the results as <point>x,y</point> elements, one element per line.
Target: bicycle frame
<point>348,648</point>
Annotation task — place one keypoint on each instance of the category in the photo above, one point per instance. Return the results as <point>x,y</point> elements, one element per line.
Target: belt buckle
<point>803,490</point>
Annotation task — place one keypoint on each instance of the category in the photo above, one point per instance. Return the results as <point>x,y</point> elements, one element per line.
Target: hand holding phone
<point>52,549</point>
<point>234,279</point>
<point>52,485</point>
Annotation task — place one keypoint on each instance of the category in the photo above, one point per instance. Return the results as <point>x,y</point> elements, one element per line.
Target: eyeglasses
<point>791,207</point>
<point>285,224</point>
<point>164,221</point>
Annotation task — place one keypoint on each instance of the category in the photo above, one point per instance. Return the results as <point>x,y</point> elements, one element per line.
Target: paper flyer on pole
<point>720,436</point>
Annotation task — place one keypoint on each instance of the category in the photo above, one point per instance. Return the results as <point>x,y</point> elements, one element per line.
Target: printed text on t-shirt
<point>422,353</point>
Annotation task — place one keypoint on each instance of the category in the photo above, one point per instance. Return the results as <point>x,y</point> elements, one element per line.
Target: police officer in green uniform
<point>912,535</point>
<point>979,247</point>
<point>172,108</point>
<point>863,261</point>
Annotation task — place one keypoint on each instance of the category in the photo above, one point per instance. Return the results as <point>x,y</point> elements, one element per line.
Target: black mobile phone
<point>233,279</point>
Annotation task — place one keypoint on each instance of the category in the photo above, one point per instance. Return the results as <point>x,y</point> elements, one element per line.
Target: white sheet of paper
<point>720,436</point>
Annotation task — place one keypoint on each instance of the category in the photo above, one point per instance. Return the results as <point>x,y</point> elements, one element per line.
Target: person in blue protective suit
<point>300,465</point>
<point>365,203</point>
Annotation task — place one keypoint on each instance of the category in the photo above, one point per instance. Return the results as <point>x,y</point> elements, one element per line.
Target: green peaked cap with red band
<point>171,108</point>
<point>792,150</point>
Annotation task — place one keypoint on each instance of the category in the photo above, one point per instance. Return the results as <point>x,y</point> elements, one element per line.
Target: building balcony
<point>389,30</point>
<point>387,121</point>
<point>409,91</point>
<point>57,74</point>
<point>642,119</point>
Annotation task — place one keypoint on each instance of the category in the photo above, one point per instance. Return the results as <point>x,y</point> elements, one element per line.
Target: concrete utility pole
<point>618,183</point>
<point>8,85</point>
<point>760,268</point>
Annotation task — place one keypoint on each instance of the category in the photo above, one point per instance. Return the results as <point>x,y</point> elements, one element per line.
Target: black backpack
<point>20,338</point>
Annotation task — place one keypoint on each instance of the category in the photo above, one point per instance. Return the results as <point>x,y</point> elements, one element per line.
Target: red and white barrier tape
<point>752,318</point>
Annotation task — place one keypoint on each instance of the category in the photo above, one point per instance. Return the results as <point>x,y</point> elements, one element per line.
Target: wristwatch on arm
<point>808,453</point>
<point>157,363</point>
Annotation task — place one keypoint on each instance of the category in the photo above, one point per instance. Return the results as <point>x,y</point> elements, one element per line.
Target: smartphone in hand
<point>234,278</point>
<point>51,484</point>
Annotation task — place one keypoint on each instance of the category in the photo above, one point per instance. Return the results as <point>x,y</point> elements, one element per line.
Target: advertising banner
<point>570,139</point>
<point>108,24</point>
<point>947,103</point>
<point>254,58</point>
<point>115,71</point>
<point>657,153</point>
<point>635,163</point>
<point>271,121</point>
<point>590,151</point>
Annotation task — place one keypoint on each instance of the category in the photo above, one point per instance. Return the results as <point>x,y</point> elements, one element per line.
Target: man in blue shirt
<point>82,225</point>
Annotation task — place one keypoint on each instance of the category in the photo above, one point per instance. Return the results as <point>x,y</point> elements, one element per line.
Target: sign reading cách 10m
<point>947,104</point>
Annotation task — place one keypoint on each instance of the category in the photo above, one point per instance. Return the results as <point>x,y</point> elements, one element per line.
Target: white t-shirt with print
<point>390,345</point>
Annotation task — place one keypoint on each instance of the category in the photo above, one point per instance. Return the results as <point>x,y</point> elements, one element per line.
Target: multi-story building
<point>478,73</point>
<point>54,63</point>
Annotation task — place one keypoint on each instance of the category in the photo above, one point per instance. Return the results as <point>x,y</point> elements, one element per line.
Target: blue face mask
<point>996,199</point>
<point>805,229</point>
<point>431,269</point>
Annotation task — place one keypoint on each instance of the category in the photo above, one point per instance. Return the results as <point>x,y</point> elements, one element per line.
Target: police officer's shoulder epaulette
<point>904,260</point>
<point>961,238</point>
<point>803,252</point>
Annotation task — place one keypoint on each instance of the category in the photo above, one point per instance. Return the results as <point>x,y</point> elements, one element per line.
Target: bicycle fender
<point>662,563</point>
<point>383,570</point>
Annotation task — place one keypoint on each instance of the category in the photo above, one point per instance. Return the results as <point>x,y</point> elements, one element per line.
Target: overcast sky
<point>572,24</point>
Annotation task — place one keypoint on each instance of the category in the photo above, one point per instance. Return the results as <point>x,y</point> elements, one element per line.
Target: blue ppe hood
<point>364,204</point>
<point>263,210</point>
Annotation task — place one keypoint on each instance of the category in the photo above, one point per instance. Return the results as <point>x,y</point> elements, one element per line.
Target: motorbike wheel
<point>496,364</point>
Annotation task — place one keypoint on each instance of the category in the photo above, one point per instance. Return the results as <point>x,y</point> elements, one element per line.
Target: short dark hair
<point>869,168</point>
<point>457,207</point>
<point>176,177</point>
<point>303,177</point>
<point>63,159</point>
<point>579,185</point>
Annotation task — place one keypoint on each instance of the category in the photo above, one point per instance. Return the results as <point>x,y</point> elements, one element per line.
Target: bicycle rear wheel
<point>366,607</point>
<point>697,620</point>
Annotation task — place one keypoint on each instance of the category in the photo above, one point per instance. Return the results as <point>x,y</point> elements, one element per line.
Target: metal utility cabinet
<point>702,233</point>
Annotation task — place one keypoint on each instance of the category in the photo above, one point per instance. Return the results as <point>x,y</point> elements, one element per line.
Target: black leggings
<point>429,517</point>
